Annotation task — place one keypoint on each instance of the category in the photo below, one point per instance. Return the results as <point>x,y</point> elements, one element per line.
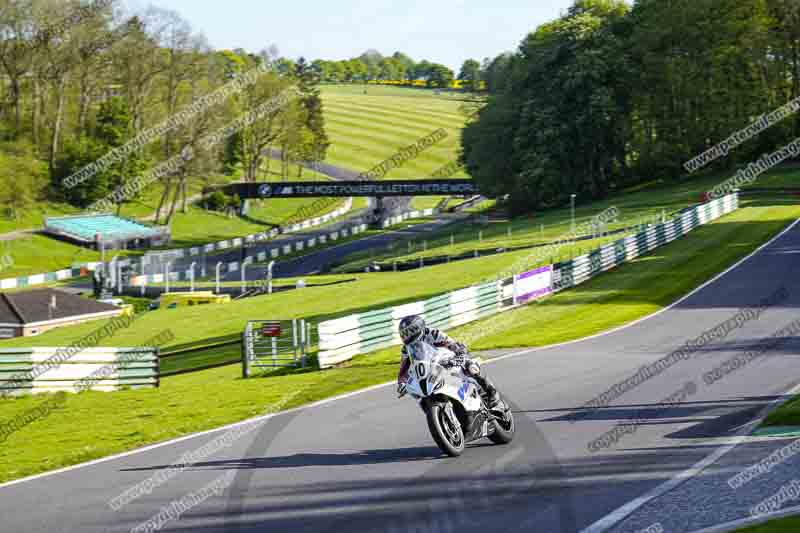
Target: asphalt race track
<point>367,463</point>
<point>317,261</point>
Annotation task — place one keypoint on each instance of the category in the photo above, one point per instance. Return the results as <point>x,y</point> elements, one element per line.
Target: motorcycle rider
<point>412,328</point>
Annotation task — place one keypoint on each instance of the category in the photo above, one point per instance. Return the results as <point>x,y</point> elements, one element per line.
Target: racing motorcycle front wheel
<point>445,428</point>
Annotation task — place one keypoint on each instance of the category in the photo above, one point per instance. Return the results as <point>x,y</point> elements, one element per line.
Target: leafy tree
<point>285,66</point>
<point>558,129</point>
<point>232,154</point>
<point>22,179</point>
<point>113,129</point>
<point>314,145</point>
<point>407,63</point>
<point>390,69</point>
<point>440,76</point>
<point>268,130</point>
<point>496,72</point>
<point>422,70</point>
<point>471,75</point>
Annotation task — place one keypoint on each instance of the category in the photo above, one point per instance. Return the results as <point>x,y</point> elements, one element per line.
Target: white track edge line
<point>620,514</point>
<point>626,510</point>
<point>374,387</point>
<point>194,435</point>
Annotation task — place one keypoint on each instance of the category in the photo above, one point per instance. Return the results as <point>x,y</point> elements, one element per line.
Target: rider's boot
<point>475,370</point>
<point>491,390</point>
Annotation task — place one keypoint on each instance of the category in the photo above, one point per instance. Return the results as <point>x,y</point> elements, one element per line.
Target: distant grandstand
<point>110,231</point>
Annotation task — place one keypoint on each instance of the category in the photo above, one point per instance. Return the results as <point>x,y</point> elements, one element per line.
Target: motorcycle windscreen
<point>421,351</point>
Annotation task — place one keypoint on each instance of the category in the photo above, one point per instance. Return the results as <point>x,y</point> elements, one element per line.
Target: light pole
<point>166,275</point>
<point>572,209</point>
<point>194,264</point>
<point>269,276</point>
<point>247,260</point>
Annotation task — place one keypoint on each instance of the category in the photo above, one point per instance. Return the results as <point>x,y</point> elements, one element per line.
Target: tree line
<point>373,66</point>
<point>610,96</point>
<point>78,80</point>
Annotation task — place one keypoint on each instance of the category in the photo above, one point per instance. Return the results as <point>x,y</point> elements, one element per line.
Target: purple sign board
<point>533,285</point>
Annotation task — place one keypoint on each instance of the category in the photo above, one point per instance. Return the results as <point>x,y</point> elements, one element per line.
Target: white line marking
<point>617,516</point>
<point>626,510</point>
<point>194,435</point>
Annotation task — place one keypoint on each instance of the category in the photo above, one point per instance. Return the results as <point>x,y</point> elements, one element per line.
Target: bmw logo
<point>265,190</point>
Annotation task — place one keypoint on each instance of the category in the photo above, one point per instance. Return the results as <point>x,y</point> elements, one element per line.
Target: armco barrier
<point>100,369</point>
<point>344,338</point>
<point>574,272</point>
<point>391,221</point>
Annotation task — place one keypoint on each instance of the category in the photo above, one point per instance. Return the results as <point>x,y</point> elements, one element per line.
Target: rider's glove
<point>458,359</point>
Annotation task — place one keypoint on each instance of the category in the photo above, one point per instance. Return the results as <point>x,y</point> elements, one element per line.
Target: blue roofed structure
<point>111,231</point>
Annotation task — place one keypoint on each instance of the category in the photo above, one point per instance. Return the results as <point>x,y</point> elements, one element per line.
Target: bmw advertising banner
<point>353,188</point>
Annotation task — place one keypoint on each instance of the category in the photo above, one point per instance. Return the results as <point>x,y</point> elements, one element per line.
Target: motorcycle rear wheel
<point>449,435</point>
<point>503,429</point>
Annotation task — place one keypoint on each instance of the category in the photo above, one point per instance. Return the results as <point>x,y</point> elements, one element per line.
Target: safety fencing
<point>391,221</point>
<point>344,338</point>
<point>279,250</point>
<point>49,277</point>
<point>84,269</point>
<point>34,370</point>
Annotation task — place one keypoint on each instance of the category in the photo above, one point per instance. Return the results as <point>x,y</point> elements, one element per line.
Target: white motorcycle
<point>453,402</point>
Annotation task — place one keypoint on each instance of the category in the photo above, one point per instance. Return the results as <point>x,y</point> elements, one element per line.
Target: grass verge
<point>91,425</point>
<point>784,525</point>
<point>787,414</point>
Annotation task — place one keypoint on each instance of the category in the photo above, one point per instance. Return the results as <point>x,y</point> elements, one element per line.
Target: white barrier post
<point>191,276</point>
<point>216,268</point>
<point>166,275</point>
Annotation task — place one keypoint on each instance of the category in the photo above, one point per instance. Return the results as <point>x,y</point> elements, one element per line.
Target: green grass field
<point>785,525</point>
<point>357,89</point>
<point>37,254</point>
<point>33,218</point>
<point>367,129</point>
<point>92,425</point>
